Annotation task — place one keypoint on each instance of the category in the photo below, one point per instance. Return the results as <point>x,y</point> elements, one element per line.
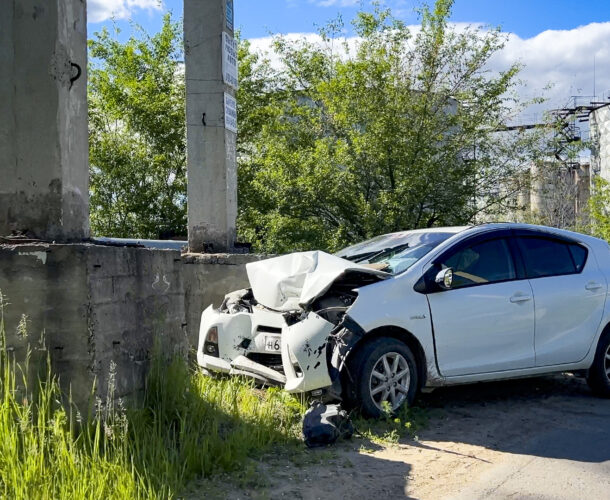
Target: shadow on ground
<point>550,425</point>
<point>553,417</point>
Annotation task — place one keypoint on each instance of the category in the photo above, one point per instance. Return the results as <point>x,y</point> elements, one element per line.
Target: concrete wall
<point>97,304</point>
<point>207,278</point>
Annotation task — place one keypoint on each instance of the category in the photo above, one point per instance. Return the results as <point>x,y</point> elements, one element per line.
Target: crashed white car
<point>409,311</point>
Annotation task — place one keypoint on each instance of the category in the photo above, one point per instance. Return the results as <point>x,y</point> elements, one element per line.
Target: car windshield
<point>395,252</point>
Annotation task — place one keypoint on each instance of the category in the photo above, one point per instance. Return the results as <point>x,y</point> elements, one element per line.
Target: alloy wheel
<point>391,378</point>
<point>607,363</point>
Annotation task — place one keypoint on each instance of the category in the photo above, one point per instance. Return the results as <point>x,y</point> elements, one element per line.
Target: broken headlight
<point>210,347</point>
<point>295,363</point>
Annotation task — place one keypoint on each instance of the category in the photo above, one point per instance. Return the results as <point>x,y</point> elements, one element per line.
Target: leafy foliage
<point>137,135</point>
<point>338,141</point>
<point>398,130</point>
<point>599,211</point>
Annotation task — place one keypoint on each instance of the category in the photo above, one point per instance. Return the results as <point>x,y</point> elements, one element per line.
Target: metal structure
<point>561,185</point>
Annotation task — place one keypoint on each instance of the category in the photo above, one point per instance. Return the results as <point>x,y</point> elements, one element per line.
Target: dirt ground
<point>533,438</point>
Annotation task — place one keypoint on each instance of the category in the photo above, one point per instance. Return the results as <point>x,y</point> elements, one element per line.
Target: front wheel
<point>599,373</point>
<point>384,377</point>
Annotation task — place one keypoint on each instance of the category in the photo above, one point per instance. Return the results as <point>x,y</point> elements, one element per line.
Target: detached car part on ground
<point>414,310</point>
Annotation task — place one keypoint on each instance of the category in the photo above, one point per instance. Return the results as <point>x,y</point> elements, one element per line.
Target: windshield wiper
<point>373,255</point>
<point>358,257</point>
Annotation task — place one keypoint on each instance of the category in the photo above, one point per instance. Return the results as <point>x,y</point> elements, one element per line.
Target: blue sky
<point>557,41</point>
<point>256,18</point>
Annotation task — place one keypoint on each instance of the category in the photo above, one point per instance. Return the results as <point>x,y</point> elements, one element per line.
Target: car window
<point>546,257</point>
<point>387,242</point>
<point>579,254</point>
<point>486,262</point>
<point>402,260</point>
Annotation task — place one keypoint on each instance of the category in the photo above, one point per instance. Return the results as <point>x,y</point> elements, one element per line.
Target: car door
<point>485,321</point>
<point>569,296</point>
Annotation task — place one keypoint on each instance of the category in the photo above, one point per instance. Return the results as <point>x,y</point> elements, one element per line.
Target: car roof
<point>447,229</point>
<point>478,228</point>
<point>489,226</point>
<point>536,228</point>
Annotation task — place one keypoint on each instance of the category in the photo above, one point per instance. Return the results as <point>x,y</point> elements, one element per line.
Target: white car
<point>414,310</point>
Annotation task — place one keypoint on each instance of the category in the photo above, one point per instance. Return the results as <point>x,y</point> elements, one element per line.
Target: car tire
<point>369,382</point>
<point>599,373</point>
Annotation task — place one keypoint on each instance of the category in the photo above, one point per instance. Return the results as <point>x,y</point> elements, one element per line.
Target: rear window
<point>546,257</point>
<point>579,254</point>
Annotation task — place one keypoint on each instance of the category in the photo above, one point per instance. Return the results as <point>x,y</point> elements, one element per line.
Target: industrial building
<point>558,189</point>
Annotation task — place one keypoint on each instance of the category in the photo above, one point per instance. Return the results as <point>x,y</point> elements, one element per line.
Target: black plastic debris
<point>324,424</point>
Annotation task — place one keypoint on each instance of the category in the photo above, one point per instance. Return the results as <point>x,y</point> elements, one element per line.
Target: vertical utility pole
<point>211,80</point>
<point>44,173</point>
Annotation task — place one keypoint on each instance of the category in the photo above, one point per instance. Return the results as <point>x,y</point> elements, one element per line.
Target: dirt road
<point>545,438</point>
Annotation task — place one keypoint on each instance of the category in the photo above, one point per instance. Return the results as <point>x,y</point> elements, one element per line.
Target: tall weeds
<point>189,425</point>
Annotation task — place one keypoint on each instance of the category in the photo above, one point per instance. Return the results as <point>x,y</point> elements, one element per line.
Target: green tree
<point>395,130</point>
<point>342,141</point>
<point>599,208</point>
<point>137,141</point>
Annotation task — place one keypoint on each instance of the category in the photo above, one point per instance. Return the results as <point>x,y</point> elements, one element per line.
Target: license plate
<point>272,343</point>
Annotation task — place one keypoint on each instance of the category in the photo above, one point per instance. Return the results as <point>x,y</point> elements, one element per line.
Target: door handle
<point>520,298</point>
<point>593,286</point>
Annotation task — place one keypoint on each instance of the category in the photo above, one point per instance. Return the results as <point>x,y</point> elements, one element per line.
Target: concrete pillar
<point>212,170</point>
<point>583,192</point>
<point>43,119</point>
<point>600,141</point>
<point>537,194</point>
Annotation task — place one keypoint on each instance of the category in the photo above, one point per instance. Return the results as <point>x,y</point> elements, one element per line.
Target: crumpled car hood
<point>291,282</point>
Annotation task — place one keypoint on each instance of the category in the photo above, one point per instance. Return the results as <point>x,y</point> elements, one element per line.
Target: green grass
<point>390,429</point>
<point>188,426</point>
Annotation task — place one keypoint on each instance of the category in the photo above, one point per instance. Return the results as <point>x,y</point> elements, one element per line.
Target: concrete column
<point>212,170</point>
<point>583,185</point>
<point>43,119</point>
<point>600,138</point>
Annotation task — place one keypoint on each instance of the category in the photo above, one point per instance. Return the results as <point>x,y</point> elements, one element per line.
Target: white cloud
<point>564,59</point>
<point>561,58</point>
<point>100,10</point>
<point>263,44</point>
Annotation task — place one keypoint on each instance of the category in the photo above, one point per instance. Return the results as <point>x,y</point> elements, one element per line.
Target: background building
<point>600,140</point>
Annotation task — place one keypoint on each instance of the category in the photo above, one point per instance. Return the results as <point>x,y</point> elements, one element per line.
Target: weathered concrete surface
<point>43,119</point>
<point>207,278</point>
<point>600,141</point>
<point>211,162</point>
<point>48,283</point>
<point>136,297</point>
<point>100,304</point>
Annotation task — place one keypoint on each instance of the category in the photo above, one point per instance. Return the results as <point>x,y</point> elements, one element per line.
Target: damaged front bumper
<point>260,344</point>
<point>288,328</point>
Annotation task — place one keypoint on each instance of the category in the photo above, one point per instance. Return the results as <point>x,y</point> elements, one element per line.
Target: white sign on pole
<point>230,113</point>
<point>229,60</point>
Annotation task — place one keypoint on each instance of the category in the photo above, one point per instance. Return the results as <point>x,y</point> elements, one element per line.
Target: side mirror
<point>444,278</point>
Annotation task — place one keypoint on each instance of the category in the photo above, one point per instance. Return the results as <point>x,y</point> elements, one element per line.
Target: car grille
<point>273,361</point>
<point>268,329</point>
